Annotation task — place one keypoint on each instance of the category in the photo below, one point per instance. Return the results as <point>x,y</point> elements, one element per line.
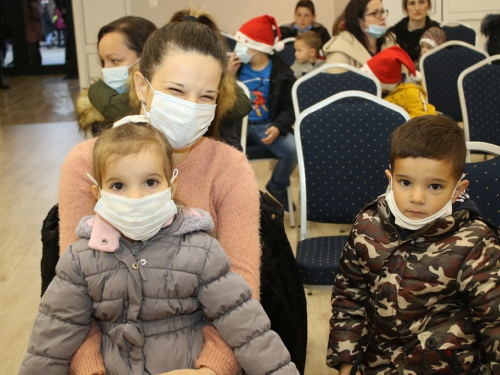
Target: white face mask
<point>137,219</point>
<point>411,224</point>
<point>242,53</point>
<point>116,77</point>
<point>182,121</point>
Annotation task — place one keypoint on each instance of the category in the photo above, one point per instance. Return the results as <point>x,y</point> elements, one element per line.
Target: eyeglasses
<point>379,13</point>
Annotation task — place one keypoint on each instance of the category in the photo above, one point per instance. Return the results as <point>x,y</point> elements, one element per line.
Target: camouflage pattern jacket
<point>430,301</point>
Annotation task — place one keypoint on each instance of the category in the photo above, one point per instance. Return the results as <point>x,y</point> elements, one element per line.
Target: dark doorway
<point>39,38</point>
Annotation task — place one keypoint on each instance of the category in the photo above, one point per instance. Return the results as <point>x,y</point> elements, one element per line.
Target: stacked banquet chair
<point>320,84</point>
<point>455,30</point>
<point>484,179</point>
<point>479,92</point>
<point>343,150</point>
<point>441,68</point>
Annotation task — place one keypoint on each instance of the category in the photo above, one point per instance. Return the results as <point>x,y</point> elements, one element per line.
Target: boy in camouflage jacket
<point>418,289</point>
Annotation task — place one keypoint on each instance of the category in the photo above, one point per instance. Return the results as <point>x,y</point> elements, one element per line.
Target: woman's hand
<point>233,64</point>
<point>200,371</point>
<point>345,369</point>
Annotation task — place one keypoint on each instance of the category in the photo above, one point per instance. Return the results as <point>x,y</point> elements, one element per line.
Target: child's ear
<point>461,186</point>
<point>141,86</point>
<point>95,192</point>
<point>388,175</point>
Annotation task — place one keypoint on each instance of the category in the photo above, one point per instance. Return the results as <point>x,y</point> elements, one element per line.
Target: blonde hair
<point>311,39</point>
<point>129,139</point>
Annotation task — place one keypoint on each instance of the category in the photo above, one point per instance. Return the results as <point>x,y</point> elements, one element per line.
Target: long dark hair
<point>354,11</point>
<point>135,29</point>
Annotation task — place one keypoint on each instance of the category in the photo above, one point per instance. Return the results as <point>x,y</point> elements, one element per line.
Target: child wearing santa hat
<point>270,82</point>
<point>399,88</point>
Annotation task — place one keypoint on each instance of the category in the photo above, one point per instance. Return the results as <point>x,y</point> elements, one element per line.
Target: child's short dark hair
<point>431,137</point>
<point>311,39</point>
<point>306,4</point>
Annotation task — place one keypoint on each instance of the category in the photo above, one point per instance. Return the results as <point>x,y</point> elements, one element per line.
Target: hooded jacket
<point>431,300</point>
<point>152,300</point>
<point>411,97</point>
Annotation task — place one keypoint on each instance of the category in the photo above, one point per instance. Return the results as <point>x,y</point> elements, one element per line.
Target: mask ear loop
<point>175,173</point>
<point>93,180</point>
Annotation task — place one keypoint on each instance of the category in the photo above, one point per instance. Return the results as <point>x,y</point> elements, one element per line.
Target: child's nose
<point>417,196</point>
<point>134,193</point>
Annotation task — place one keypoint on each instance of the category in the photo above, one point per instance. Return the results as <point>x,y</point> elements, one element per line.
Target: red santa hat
<point>386,66</point>
<point>258,34</point>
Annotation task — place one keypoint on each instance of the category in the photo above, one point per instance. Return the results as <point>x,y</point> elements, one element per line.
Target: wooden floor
<point>37,130</point>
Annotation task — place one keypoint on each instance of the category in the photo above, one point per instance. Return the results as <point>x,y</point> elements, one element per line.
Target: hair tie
<point>191,18</point>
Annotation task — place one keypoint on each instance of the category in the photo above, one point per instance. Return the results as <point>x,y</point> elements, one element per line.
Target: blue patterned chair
<point>479,92</point>
<point>343,150</point>
<point>441,68</point>
<point>319,84</point>
<point>287,54</point>
<point>455,30</point>
<point>484,181</point>
<point>258,153</point>
<point>231,42</point>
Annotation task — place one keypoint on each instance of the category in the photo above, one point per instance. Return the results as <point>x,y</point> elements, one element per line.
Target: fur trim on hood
<point>89,117</point>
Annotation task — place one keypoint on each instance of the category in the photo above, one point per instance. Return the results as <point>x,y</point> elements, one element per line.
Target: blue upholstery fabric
<point>231,43</point>
<point>324,85</point>
<point>441,70</point>
<point>482,101</point>
<point>287,54</point>
<point>460,32</point>
<point>345,148</point>
<point>318,259</point>
<point>484,187</point>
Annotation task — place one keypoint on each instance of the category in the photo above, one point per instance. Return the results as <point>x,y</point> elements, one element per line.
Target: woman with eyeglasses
<point>364,34</point>
<point>409,30</point>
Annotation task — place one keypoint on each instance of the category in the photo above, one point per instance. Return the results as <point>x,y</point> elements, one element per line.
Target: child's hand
<point>200,371</point>
<point>233,64</point>
<point>272,133</point>
<point>345,369</point>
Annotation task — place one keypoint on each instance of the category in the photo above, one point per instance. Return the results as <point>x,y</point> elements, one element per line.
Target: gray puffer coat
<point>152,300</point>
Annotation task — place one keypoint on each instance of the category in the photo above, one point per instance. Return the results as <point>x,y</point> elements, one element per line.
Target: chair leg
<point>290,206</point>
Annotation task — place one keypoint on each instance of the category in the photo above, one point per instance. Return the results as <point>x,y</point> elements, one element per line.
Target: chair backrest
<point>441,68</point>
<point>484,181</point>
<point>287,54</point>
<point>343,150</point>
<point>479,92</point>
<point>455,30</point>
<point>231,41</point>
<point>244,121</point>
<point>319,84</point>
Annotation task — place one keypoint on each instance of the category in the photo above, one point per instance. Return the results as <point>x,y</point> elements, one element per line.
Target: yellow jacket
<point>411,97</point>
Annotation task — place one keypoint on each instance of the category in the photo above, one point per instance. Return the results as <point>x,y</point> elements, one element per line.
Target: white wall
<point>90,15</point>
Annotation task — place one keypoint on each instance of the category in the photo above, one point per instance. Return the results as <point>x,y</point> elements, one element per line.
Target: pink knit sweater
<point>216,178</point>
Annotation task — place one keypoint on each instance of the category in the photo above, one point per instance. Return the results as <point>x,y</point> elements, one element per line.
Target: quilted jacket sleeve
<point>480,280</point>
<point>61,323</point>
<point>347,324</point>
<point>241,321</point>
